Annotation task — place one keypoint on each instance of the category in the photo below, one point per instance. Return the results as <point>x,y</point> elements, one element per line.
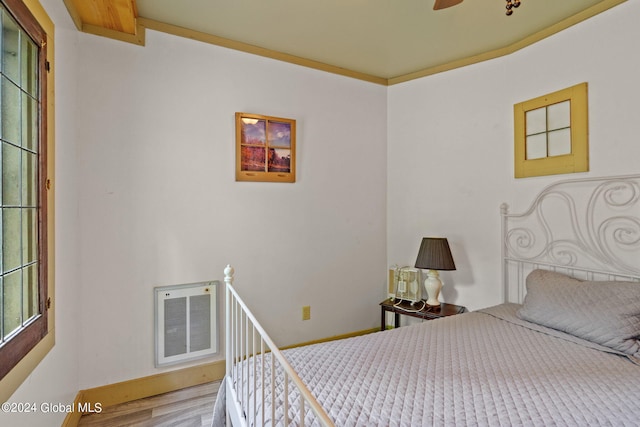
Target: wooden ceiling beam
<point>116,15</point>
<point>116,19</point>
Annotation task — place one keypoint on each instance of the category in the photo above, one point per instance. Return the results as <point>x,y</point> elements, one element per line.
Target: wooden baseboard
<point>333,338</point>
<point>73,418</point>
<point>139,388</point>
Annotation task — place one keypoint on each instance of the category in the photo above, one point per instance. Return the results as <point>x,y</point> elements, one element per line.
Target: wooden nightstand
<point>426,313</point>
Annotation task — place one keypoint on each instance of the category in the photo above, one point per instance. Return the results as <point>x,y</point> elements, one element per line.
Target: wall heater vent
<point>186,322</point>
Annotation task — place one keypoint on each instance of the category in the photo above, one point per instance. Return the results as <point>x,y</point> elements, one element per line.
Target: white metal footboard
<point>261,386</point>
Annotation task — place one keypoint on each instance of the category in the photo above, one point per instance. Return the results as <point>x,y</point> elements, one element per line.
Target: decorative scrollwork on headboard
<point>590,224</point>
<point>619,232</point>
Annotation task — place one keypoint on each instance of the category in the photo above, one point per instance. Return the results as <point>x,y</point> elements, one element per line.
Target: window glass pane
<point>12,300</point>
<point>253,158</point>
<point>536,121</point>
<point>29,123</point>
<point>29,292</point>
<point>29,179</point>
<point>29,236</point>
<point>279,160</point>
<point>10,48</point>
<point>29,65</point>
<point>11,230</point>
<point>23,285</point>
<point>559,115</point>
<point>537,146</point>
<point>560,142</point>
<point>2,246</point>
<point>279,134</point>
<point>10,112</point>
<point>1,308</point>
<point>253,131</point>
<point>11,175</point>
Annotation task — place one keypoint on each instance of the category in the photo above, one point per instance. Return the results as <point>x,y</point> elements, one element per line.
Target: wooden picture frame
<point>265,148</point>
<point>551,133</point>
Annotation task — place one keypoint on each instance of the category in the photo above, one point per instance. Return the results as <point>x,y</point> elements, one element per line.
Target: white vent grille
<point>186,325</point>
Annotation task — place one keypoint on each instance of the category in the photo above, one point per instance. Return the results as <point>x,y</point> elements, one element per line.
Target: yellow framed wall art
<point>552,133</point>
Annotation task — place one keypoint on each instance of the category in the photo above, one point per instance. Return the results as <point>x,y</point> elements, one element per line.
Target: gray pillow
<point>606,313</point>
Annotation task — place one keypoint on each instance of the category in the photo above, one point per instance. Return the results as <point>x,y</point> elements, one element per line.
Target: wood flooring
<point>190,407</point>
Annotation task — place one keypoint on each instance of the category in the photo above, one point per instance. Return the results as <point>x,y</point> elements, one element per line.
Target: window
<point>24,249</point>
<point>551,133</point>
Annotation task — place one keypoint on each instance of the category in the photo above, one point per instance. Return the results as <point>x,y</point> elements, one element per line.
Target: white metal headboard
<point>588,228</point>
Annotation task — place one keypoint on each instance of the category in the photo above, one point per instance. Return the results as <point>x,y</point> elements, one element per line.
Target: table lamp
<point>434,255</point>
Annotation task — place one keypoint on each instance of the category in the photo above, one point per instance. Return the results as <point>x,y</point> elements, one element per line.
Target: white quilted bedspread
<point>483,368</point>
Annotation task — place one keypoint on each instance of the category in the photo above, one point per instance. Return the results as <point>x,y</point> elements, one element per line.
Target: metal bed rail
<point>254,365</point>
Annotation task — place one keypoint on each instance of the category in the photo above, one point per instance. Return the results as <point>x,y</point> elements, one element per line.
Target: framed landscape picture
<point>265,148</point>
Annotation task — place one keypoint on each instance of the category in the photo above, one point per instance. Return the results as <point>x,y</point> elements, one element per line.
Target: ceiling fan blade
<point>443,4</point>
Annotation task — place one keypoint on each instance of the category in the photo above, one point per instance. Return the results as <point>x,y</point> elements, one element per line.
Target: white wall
<point>56,379</point>
<point>159,204</point>
<point>450,143</point>
<point>146,196</point>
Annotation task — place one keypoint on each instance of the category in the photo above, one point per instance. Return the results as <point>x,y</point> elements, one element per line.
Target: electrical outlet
<point>306,312</point>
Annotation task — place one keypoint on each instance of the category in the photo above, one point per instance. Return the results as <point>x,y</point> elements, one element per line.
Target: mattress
<point>484,368</point>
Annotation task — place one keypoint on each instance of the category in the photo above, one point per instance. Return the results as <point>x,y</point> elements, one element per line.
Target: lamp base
<point>433,285</point>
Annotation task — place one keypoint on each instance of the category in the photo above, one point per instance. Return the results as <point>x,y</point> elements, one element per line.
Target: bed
<point>563,348</point>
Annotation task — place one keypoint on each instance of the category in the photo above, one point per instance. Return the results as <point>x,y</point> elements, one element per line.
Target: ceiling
<point>382,41</point>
